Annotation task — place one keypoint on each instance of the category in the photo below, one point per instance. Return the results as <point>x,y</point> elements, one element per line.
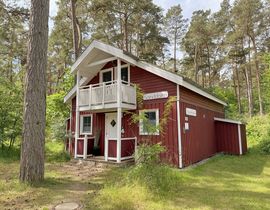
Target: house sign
<point>191,112</point>
<point>156,95</point>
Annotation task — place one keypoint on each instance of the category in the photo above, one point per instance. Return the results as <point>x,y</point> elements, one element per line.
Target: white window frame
<point>123,66</point>
<point>141,122</point>
<point>104,71</point>
<point>81,124</point>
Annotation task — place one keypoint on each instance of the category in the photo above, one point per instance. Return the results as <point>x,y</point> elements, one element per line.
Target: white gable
<point>99,51</point>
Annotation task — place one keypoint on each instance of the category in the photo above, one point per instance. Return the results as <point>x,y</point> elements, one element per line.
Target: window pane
<point>151,116</point>
<point>150,125</point>
<point>124,74</point>
<point>107,76</point>
<point>87,124</point>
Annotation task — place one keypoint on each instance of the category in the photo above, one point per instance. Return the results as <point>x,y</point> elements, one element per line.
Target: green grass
<point>54,152</point>
<point>224,182</point>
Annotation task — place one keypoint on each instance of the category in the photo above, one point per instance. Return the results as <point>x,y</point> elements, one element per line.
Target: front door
<point>111,125</point>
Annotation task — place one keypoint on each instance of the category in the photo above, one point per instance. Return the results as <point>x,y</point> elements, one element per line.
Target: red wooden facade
<point>200,135</point>
<point>229,137</point>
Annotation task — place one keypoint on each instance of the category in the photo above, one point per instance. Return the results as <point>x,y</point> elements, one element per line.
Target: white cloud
<point>189,6</point>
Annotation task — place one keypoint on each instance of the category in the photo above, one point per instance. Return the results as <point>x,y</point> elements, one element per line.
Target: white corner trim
<point>240,140</point>
<point>227,121</point>
<point>179,127</point>
<point>201,92</point>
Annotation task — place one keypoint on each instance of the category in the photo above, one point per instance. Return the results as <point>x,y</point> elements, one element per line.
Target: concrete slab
<point>67,206</point>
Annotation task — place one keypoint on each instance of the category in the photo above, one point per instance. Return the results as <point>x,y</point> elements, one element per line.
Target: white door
<point>111,125</point>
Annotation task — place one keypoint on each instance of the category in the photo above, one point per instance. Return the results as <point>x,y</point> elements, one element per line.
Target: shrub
<point>265,143</point>
<point>258,133</point>
<point>149,154</point>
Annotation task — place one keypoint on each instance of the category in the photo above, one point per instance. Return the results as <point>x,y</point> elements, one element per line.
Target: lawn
<point>224,182</point>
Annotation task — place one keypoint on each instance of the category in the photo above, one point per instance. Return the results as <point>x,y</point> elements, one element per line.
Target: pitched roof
<point>98,50</point>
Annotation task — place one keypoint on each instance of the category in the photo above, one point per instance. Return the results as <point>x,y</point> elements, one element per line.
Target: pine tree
<point>33,143</point>
<point>175,26</point>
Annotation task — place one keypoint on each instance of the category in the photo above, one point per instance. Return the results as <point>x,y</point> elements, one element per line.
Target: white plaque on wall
<point>191,112</point>
<point>156,95</point>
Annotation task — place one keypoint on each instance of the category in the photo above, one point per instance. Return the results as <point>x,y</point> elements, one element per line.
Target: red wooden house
<point>105,91</point>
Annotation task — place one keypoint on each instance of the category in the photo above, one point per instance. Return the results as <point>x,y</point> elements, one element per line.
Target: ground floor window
<point>149,121</point>
<point>86,124</point>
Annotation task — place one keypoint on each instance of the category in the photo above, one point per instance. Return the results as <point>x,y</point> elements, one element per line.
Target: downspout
<point>179,127</point>
<point>77,128</point>
<point>70,130</point>
<point>240,140</point>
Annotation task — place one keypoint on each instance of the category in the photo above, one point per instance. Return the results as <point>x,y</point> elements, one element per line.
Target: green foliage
<point>258,133</point>
<point>149,154</point>
<point>10,154</point>
<point>265,145</point>
<point>55,152</point>
<point>10,112</point>
<point>227,95</point>
<point>57,113</point>
<point>266,83</point>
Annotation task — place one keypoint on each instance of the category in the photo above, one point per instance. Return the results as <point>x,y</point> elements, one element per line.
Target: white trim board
<point>227,121</point>
<point>141,64</point>
<point>240,140</point>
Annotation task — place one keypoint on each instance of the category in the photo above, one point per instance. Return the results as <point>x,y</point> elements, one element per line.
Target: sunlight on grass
<point>225,182</point>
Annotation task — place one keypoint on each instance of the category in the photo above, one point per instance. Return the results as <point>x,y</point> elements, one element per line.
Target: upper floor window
<point>125,74</point>
<point>106,75</point>
<point>149,122</point>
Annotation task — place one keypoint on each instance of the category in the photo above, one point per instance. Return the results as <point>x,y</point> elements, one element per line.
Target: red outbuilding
<point>106,97</point>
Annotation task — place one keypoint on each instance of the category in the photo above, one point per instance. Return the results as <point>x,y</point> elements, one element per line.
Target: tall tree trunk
<point>75,32</point>
<point>257,74</point>
<point>249,73</point>
<point>249,91</point>
<point>32,149</point>
<point>238,89</point>
<point>174,52</point>
<point>196,63</point>
<point>75,28</point>
<point>209,66</point>
<point>126,31</point>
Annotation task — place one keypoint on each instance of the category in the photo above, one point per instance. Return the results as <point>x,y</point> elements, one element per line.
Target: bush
<point>151,173</point>
<point>56,114</point>
<point>55,152</point>
<point>258,133</point>
<point>149,154</point>
<point>265,146</point>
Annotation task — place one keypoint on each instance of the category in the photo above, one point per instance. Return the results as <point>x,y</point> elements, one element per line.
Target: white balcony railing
<point>106,93</point>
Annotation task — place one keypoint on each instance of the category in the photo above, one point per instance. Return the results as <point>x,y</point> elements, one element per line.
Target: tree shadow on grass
<point>225,182</point>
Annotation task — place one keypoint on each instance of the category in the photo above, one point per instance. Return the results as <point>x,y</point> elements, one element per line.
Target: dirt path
<point>86,178</point>
<point>74,181</point>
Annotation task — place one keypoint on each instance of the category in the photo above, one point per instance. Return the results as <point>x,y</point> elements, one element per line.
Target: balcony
<point>104,96</point>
